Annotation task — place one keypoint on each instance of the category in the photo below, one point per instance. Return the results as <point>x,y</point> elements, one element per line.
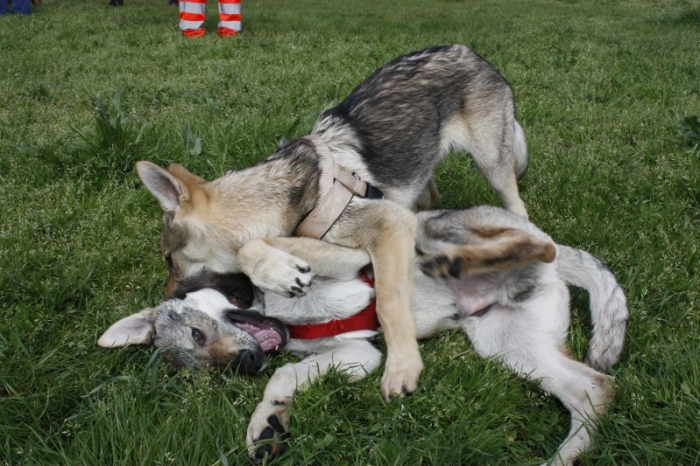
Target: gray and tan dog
<point>391,132</point>
<point>487,271</point>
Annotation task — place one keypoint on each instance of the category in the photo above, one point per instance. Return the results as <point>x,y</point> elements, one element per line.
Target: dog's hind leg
<point>531,344</point>
<point>502,249</point>
<point>497,144</point>
<point>494,159</point>
<point>584,391</point>
<point>269,425</point>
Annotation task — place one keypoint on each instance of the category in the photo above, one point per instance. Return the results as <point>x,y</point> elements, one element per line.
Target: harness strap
<point>336,188</point>
<point>365,320</point>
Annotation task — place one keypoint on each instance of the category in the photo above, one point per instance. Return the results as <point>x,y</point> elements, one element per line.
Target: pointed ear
<point>165,187</point>
<point>185,176</point>
<point>137,329</point>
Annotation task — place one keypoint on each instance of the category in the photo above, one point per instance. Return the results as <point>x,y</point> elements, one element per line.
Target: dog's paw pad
<point>455,267</point>
<point>272,441</point>
<point>266,434</point>
<point>428,267</point>
<point>442,261</point>
<point>442,266</point>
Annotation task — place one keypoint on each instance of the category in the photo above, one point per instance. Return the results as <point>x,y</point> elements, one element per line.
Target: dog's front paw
<point>401,376</point>
<point>268,431</point>
<point>282,273</point>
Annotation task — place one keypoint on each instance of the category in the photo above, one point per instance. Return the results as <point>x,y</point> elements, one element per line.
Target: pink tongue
<point>268,338</point>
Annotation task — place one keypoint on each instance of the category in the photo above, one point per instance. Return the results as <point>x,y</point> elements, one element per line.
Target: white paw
<point>282,273</point>
<point>401,376</point>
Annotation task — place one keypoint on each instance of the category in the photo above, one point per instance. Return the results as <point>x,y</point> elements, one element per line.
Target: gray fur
<point>414,110</point>
<point>607,302</point>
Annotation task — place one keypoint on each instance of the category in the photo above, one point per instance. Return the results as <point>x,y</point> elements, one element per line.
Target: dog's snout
<point>251,361</point>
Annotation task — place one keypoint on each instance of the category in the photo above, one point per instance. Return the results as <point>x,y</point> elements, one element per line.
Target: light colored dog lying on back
<point>489,272</point>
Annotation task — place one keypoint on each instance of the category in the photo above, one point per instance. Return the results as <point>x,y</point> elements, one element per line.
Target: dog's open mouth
<point>270,333</point>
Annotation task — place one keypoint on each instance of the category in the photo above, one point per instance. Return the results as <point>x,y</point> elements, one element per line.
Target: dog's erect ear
<point>164,186</point>
<point>186,177</point>
<point>172,187</point>
<point>137,329</point>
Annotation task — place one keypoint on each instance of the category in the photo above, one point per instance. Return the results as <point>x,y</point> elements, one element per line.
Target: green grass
<point>608,93</point>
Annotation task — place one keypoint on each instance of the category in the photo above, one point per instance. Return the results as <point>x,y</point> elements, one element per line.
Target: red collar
<point>365,320</point>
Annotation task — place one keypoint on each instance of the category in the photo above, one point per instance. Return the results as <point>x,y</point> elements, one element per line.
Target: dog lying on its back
<point>491,273</point>
<point>391,131</point>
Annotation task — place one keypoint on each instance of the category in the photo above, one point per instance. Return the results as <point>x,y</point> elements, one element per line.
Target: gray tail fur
<point>607,303</point>
<point>520,150</point>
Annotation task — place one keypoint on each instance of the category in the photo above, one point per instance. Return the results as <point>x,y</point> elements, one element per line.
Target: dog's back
<point>414,110</point>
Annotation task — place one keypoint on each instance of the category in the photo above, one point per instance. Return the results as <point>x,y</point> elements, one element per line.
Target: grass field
<point>608,93</point>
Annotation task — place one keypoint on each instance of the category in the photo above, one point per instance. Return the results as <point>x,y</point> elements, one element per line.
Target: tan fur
<point>307,249</point>
<point>180,172</point>
<point>491,232</point>
<point>208,224</point>
<point>504,249</point>
<point>217,217</point>
<point>221,351</point>
<point>387,231</point>
<point>396,270</point>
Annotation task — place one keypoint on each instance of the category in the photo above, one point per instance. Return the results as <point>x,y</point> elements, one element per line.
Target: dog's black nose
<point>251,361</point>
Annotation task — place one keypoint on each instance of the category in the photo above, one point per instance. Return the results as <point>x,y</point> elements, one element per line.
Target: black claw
<point>296,290</point>
<point>442,260</point>
<point>406,391</point>
<point>300,283</point>
<point>306,269</point>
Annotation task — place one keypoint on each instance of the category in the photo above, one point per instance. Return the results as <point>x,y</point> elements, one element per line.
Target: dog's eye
<point>169,261</point>
<point>198,336</point>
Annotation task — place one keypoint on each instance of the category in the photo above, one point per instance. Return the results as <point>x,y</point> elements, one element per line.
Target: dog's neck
<point>270,198</point>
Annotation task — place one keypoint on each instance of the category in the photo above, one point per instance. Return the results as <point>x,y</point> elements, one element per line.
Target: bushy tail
<point>520,150</point>
<point>607,302</point>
